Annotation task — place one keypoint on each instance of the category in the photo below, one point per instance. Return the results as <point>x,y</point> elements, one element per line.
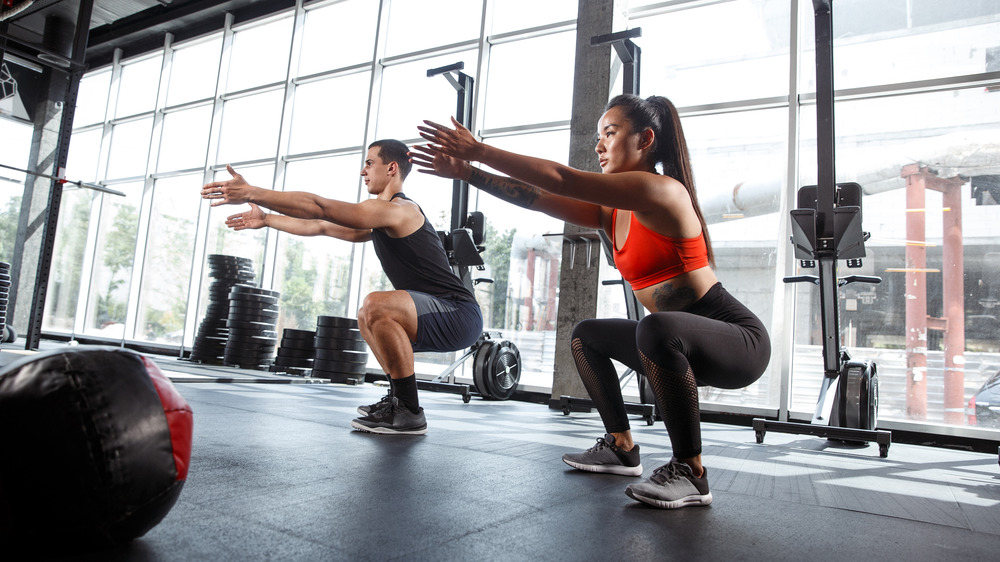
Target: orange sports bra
<point>648,258</point>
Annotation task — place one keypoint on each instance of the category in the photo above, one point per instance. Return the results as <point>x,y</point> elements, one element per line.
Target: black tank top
<point>418,262</point>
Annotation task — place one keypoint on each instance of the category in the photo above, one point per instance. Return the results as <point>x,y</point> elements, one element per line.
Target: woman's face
<point>619,148</point>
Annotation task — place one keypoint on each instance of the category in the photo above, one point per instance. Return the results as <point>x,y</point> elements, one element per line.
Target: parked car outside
<point>984,406</point>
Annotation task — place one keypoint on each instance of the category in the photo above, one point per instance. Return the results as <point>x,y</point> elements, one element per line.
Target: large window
<point>293,106</point>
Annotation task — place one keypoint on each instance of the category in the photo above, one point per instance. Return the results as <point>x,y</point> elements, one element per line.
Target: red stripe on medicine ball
<point>180,419</point>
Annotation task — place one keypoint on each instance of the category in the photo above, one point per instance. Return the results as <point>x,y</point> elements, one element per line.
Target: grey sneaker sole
<point>382,430</point>
<point>692,500</point>
<point>618,469</point>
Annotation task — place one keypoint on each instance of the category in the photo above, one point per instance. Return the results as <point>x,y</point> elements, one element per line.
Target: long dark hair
<point>669,147</point>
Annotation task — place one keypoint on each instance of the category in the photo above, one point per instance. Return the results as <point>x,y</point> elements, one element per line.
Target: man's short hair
<point>391,150</point>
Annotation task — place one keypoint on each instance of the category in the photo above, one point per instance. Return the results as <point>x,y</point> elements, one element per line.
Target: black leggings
<point>716,342</point>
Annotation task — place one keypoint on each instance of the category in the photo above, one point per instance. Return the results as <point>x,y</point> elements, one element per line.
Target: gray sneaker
<point>383,402</point>
<point>671,486</point>
<point>394,418</point>
<point>606,457</point>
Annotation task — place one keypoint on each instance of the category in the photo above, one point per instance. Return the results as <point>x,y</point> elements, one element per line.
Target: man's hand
<point>252,219</point>
<point>457,142</point>
<point>431,161</point>
<point>229,192</point>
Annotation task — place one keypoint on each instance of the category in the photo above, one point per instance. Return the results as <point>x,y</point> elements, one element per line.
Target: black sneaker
<point>606,457</point>
<point>671,486</point>
<point>382,403</point>
<point>394,417</point>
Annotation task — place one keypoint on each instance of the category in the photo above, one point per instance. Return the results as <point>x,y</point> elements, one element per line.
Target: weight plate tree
<point>496,369</point>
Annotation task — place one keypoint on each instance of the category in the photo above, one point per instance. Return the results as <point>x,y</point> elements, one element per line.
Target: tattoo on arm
<point>508,189</point>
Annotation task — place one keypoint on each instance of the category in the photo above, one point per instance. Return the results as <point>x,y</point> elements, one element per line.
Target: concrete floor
<point>277,474</point>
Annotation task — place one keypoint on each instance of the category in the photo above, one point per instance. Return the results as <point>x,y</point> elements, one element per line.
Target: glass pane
<point>519,93</point>
<point>113,261</point>
<point>129,148</point>
<point>224,241</point>
<point>410,21</point>
<point>250,128</point>
<point>350,45</point>
<point>739,161</point>
<point>930,204</point>
<point>688,55</point>
<point>67,260</point>
<point>523,299</point>
<point>184,140</point>
<point>408,95</point>
<point>513,15</point>
<point>16,147</point>
<point>166,272</point>
<point>330,113</point>
<point>92,98</point>
<point>82,159</point>
<point>138,85</point>
<point>194,71</point>
<point>313,274</point>
<point>260,55</point>
<point>877,42</point>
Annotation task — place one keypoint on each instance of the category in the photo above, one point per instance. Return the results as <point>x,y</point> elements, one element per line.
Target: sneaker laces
<point>673,470</point>
<point>602,443</point>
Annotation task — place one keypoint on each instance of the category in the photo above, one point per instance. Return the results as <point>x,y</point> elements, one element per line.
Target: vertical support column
<point>916,294</point>
<point>953,274</point>
<point>591,90</point>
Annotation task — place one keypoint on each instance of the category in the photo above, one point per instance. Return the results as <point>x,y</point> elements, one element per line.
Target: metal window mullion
<point>359,252</point>
<point>103,156</point>
<point>284,140</point>
<point>783,313</point>
<point>147,198</point>
<point>208,173</point>
<point>482,66</point>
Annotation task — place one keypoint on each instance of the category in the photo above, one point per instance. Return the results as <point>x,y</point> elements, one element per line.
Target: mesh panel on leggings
<point>677,399</point>
<point>604,389</point>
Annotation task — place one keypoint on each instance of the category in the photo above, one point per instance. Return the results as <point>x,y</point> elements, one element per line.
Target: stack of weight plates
<point>227,271</point>
<point>296,352</point>
<point>253,315</point>
<point>4,294</point>
<point>341,353</point>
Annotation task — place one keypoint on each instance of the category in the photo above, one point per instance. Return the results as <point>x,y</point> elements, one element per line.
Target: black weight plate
<point>246,290</point>
<point>336,322</point>
<point>298,345</point>
<point>292,362</point>
<point>331,333</point>
<point>345,356</point>
<point>339,366</point>
<point>5,276</point>
<point>341,345</point>
<point>294,334</point>
<point>267,318</point>
<point>295,353</point>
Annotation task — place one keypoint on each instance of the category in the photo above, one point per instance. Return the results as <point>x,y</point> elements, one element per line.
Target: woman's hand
<point>457,142</point>
<point>435,162</point>
<point>229,192</point>
<point>252,219</point>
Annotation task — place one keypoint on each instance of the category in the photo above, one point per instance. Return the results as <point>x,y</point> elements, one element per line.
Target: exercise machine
<point>496,368</point>
<point>826,228</point>
<point>629,54</point>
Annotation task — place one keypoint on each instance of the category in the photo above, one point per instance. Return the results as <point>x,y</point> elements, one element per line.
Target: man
<point>430,308</point>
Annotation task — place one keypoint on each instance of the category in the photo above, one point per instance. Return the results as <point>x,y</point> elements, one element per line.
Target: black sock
<point>405,389</point>
<point>392,386</point>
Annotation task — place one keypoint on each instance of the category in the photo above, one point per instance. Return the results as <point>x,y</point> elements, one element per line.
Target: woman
<point>696,333</point>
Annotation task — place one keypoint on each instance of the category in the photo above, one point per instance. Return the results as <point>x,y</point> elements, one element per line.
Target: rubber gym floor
<point>277,474</point>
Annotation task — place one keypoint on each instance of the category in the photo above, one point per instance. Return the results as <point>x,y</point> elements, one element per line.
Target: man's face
<point>376,172</point>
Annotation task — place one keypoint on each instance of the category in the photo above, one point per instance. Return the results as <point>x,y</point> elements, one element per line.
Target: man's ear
<point>393,168</point>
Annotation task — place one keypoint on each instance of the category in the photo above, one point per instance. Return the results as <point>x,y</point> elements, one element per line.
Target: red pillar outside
<point>916,294</point>
<point>953,274</point>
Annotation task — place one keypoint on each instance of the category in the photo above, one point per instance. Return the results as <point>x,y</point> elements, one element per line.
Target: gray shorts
<point>445,324</point>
